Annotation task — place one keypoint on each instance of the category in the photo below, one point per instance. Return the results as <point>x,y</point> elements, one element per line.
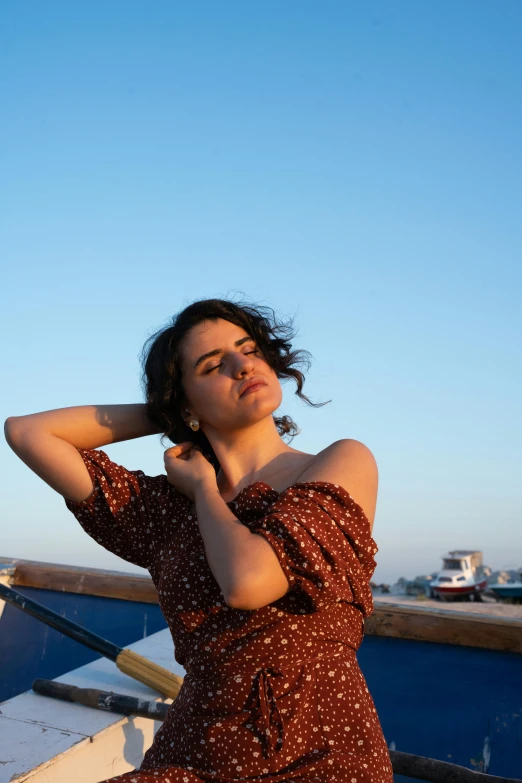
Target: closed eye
<point>219,365</point>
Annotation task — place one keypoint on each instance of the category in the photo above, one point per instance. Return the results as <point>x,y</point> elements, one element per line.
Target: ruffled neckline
<point>262,485</point>
<point>262,488</point>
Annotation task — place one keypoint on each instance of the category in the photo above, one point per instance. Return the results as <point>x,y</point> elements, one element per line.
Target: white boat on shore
<point>462,577</point>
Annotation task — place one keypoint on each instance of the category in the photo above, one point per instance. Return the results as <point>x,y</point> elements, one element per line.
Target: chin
<point>258,413</point>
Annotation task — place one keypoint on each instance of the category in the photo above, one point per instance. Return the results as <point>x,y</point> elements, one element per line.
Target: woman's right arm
<point>48,442</point>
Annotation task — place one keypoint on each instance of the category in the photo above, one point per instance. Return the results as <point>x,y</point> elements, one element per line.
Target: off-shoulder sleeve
<point>323,542</point>
<point>127,512</point>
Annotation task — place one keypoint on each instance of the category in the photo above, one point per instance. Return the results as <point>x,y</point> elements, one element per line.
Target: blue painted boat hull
<point>447,702</point>
<point>444,701</point>
<point>31,649</point>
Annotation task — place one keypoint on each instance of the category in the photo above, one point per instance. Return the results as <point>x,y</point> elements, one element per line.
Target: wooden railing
<point>444,626</point>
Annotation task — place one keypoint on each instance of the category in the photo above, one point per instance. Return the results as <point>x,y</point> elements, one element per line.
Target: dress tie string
<point>266,716</point>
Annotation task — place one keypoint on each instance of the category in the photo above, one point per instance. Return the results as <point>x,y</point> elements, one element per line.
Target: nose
<point>243,365</point>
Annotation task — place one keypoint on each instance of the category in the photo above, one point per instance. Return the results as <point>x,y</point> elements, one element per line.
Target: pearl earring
<point>194,424</point>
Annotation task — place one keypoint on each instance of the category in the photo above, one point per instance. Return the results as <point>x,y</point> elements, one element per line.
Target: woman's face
<point>213,384</point>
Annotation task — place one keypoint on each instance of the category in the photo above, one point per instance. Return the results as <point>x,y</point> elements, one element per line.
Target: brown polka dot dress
<point>273,694</point>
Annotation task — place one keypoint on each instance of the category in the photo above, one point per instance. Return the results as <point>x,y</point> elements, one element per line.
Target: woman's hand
<point>187,468</point>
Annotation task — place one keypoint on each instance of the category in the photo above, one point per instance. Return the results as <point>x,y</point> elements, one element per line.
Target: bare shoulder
<point>351,464</point>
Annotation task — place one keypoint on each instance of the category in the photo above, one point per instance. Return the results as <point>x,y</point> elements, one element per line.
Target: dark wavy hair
<point>161,363</point>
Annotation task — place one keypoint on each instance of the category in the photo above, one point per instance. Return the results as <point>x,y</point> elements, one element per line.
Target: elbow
<point>243,603</point>
<point>260,582</point>
<point>243,597</point>
<point>10,429</point>
<point>239,600</point>
<point>254,596</point>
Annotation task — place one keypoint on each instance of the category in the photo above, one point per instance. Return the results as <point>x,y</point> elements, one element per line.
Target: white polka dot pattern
<point>272,695</point>
<point>320,536</point>
<point>127,512</point>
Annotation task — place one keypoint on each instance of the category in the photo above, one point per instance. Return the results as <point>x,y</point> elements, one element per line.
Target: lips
<point>251,383</point>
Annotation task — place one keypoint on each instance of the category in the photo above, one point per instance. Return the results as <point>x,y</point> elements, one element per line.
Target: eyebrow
<point>217,351</point>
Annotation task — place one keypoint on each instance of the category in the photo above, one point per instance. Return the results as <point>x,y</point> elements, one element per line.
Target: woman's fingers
<point>179,451</point>
<point>183,451</point>
<point>180,448</point>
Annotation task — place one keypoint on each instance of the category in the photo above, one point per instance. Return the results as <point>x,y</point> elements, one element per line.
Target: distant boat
<point>509,591</point>
<point>462,577</point>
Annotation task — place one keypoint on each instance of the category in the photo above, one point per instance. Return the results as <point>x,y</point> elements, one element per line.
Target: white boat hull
<point>452,591</point>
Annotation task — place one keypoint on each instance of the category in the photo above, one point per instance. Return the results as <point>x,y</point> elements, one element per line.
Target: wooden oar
<point>127,661</point>
<point>435,771</point>
<point>102,700</point>
<point>407,764</point>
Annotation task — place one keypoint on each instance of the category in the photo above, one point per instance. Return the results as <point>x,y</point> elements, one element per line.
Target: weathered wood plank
<point>446,627</point>
<point>87,581</point>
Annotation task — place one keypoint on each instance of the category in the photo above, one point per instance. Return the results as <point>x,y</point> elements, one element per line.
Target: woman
<point>261,557</point>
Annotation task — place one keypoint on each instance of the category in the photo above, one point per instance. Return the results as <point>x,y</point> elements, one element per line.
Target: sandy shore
<point>493,608</point>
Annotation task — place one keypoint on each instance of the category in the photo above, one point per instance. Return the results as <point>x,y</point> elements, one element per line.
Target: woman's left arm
<point>236,556</point>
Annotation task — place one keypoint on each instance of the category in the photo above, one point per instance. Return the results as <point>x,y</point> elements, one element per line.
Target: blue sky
<point>354,165</point>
